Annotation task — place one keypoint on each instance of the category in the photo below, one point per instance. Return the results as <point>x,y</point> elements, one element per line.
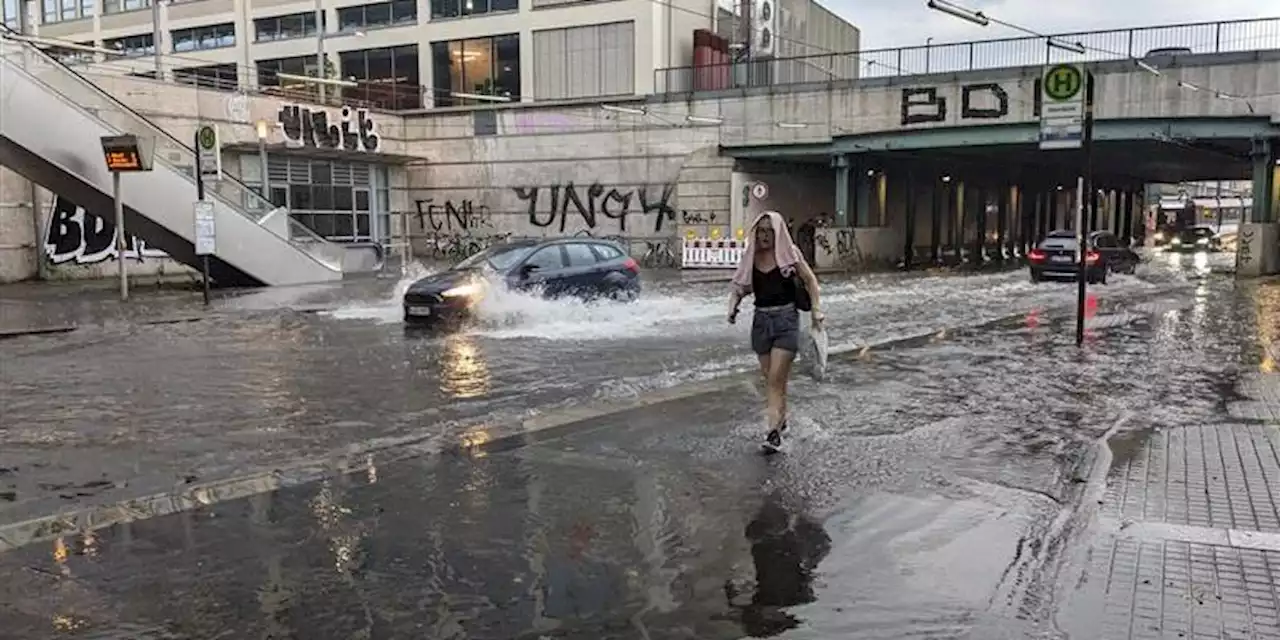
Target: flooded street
<point>950,484</point>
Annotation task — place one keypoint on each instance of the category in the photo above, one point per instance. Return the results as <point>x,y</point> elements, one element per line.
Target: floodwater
<point>117,410</point>
<point>927,492</point>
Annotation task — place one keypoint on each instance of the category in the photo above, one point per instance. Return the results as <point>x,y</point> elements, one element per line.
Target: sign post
<point>208,166</point>
<point>206,239</point>
<point>1066,122</point>
<point>124,154</point>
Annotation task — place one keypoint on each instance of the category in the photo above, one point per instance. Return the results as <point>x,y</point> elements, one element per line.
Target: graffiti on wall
<point>352,130</point>
<point>697,217</point>
<point>978,101</point>
<point>75,236</point>
<point>844,249</point>
<point>457,216</point>
<point>558,203</point>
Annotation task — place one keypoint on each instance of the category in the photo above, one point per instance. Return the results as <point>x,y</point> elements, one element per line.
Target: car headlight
<point>463,291</point>
<point>1202,241</point>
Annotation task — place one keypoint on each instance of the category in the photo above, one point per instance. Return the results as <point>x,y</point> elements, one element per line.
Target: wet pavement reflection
<point>929,490</point>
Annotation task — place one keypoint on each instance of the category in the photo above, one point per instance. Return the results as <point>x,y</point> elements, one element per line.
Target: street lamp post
<point>320,66</point>
<point>263,130</point>
<point>157,38</point>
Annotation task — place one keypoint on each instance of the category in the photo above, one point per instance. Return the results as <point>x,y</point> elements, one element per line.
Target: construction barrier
<point>706,253</point>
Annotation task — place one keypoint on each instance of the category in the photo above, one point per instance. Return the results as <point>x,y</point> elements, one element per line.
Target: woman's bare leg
<point>779,373</point>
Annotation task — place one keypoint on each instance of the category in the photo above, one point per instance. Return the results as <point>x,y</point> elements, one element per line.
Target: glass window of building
<point>214,36</point>
<point>218,76</point>
<point>120,6</point>
<point>9,15</point>
<point>286,27</point>
<point>139,45</point>
<point>51,10</point>
<point>387,77</point>
<point>72,56</point>
<point>376,16</point>
<point>298,66</point>
<point>329,197</point>
<point>462,8</point>
<point>484,66</point>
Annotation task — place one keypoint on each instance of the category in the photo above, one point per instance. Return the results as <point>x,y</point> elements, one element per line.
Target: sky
<point>893,23</point>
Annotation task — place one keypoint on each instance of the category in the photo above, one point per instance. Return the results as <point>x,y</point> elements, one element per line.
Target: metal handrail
<point>1105,44</point>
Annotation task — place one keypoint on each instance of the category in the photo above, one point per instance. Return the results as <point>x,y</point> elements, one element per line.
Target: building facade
<point>411,54</point>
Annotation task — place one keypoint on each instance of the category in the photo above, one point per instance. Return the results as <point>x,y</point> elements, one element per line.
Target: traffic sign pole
<point>1086,206</point>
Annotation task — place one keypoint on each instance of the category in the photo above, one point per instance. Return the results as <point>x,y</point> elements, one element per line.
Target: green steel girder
<point>1017,134</point>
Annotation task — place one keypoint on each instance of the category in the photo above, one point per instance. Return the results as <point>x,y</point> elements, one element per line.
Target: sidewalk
<point>1186,542</point>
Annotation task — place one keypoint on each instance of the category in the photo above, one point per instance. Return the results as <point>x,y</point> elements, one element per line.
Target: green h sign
<point>1063,82</point>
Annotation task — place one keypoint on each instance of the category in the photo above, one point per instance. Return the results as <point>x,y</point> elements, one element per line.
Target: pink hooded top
<point>784,250</point>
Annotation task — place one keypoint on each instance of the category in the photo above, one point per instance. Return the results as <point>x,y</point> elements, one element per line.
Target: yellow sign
<point>715,233</point>
<point>740,233</point>
<point>690,234</point>
<point>124,160</point>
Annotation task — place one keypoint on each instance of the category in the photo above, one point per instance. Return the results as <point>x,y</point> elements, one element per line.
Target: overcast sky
<point>892,23</point>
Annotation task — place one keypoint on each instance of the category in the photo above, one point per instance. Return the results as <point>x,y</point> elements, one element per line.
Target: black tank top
<point>772,289</point>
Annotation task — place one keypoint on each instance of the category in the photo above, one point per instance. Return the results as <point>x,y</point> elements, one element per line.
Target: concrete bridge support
<point>1259,240</point>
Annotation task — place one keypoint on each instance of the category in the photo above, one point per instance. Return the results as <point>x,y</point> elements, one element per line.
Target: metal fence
<point>1116,44</point>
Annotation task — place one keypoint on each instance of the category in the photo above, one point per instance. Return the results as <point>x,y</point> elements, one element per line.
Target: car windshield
<point>1199,232</point>
<point>498,258</point>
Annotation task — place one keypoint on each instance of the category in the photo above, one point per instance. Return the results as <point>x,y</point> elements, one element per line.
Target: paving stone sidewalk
<point>1190,544</point>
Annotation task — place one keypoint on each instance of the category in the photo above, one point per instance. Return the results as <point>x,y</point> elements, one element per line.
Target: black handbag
<point>803,301</point>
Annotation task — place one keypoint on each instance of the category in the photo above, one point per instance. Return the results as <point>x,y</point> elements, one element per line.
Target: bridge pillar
<point>841,165</point>
<point>1258,252</point>
<point>862,186</point>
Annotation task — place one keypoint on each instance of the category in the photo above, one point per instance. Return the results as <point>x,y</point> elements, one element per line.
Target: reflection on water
<point>786,547</point>
<point>463,372</point>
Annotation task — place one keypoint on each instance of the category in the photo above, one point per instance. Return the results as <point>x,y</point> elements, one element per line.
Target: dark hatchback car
<point>1055,257</point>
<point>1195,239</point>
<point>581,268</point>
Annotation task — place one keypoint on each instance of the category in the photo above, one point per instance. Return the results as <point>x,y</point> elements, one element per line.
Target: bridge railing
<point>1115,44</point>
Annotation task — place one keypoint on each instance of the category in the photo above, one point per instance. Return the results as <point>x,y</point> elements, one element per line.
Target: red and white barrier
<point>708,253</point>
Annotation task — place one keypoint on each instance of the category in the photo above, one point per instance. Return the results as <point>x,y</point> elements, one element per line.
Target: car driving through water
<point>1195,239</point>
<point>1055,257</point>
<point>584,268</point>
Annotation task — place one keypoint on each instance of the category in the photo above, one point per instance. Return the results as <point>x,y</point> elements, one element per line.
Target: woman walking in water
<point>769,270</point>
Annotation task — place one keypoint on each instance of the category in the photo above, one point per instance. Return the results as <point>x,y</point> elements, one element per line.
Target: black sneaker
<point>773,441</point>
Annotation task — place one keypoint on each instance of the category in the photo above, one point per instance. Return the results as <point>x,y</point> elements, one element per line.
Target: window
<point>376,16</point>
<point>72,56</point>
<point>584,62</point>
<point>331,198</point>
<point>607,252</point>
<point>484,66</point>
<point>387,77</point>
<point>287,27</point>
<point>547,259</point>
<point>9,14</point>
<point>461,8</point>
<point>51,10</point>
<point>200,38</point>
<point>298,66</point>
<point>120,6</point>
<point>580,255</point>
<point>218,76</point>
<point>140,45</point>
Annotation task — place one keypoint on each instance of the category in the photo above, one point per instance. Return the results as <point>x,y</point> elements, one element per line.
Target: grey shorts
<point>775,328</point>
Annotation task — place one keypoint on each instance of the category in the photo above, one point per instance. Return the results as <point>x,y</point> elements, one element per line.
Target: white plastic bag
<point>813,350</point>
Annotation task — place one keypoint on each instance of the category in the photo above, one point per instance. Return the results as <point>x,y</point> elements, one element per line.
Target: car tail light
<point>1036,255</point>
<point>631,265</point>
<point>1092,257</point>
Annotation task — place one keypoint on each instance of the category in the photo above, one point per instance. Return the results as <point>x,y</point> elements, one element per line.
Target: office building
<point>406,54</point>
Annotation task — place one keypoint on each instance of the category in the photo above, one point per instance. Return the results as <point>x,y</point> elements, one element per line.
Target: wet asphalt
<point>928,491</point>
